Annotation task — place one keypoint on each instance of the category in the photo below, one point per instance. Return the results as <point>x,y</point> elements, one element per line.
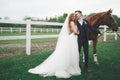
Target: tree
<point>53,19</point>
<point>91,14</point>
<point>117,19</point>
<point>6,18</point>
<point>62,18</point>
<point>27,18</point>
<point>59,18</point>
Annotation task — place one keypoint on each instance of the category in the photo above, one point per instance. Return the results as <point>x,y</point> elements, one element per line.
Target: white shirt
<point>81,21</point>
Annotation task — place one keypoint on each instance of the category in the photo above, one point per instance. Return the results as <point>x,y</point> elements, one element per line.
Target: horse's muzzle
<point>115,29</point>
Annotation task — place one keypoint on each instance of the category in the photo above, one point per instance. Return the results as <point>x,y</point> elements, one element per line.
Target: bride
<point>64,61</point>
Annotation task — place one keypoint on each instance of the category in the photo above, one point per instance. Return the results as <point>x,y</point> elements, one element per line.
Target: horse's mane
<point>95,16</point>
<point>93,20</point>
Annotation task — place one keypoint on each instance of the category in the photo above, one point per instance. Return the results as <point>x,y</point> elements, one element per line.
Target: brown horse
<point>103,18</point>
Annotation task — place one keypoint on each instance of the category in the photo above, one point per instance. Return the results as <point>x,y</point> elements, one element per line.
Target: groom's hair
<point>78,11</point>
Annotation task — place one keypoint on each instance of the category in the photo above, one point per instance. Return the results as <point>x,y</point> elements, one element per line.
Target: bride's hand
<point>78,32</point>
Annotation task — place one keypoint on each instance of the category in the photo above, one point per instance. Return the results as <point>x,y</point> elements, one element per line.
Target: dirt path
<point>10,50</point>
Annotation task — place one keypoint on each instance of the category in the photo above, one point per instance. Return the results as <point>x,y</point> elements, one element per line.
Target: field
<point>15,68</point>
<point>14,47</point>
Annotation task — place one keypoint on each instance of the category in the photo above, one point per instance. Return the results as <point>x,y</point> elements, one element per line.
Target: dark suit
<point>83,40</point>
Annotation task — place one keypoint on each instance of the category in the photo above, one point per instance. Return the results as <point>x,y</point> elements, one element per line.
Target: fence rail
<point>24,37</point>
<point>28,30</point>
<point>28,24</point>
<point>14,29</point>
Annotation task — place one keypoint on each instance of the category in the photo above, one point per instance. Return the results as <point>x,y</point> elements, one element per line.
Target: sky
<point>19,9</point>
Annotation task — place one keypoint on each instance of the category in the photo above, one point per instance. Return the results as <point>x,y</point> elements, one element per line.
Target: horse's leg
<point>83,56</point>
<point>94,51</point>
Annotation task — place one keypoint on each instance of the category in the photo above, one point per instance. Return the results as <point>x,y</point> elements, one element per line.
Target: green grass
<point>24,41</point>
<point>16,68</point>
<point>24,33</point>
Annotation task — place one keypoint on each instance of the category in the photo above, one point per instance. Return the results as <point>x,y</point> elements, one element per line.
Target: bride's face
<point>73,17</point>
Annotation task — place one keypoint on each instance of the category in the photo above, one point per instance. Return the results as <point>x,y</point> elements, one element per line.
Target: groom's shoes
<point>87,69</point>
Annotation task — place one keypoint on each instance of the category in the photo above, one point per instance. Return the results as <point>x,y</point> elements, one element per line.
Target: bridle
<point>110,27</point>
<point>103,33</point>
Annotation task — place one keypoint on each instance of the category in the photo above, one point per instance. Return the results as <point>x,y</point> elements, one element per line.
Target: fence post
<point>52,30</point>
<point>11,29</point>
<point>115,36</point>
<point>57,30</point>
<point>105,28</point>
<point>34,29</point>
<point>47,30</point>
<point>28,37</point>
<point>41,30</point>
<point>1,29</point>
<point>89,42</point>
<point>20,29</point>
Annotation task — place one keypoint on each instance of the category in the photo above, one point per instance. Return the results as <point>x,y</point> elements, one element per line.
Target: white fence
<point>14,29</point>
<point>28,30</point>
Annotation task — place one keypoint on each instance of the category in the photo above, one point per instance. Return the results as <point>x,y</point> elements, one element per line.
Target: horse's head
<point>109,20</point>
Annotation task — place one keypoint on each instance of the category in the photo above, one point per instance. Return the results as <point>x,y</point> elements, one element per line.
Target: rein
<point>106,31</point>
<point>103,33</point>
<point>118,34</point>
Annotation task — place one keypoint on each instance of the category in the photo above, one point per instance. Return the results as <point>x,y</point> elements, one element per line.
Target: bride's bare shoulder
<point>72,23</point>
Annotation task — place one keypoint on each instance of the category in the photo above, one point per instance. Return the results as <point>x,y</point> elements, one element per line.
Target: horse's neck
<point>94,21</point>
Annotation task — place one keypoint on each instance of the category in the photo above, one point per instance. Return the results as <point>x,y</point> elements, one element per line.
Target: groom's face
<point>78,15</point>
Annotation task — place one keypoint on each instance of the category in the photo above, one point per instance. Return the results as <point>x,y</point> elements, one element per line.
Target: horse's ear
<point>109,11</point>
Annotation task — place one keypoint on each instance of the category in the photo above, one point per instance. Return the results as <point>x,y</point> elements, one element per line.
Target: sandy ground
<point>10,50</point>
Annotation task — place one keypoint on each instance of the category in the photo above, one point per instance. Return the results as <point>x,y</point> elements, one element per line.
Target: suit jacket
<point>85,25</point>
<point>83,30</point>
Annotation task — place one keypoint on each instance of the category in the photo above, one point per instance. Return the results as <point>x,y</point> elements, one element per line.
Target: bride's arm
<point>74,29</point>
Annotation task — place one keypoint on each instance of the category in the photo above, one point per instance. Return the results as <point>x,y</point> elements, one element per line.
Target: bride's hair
<point>70,18</point>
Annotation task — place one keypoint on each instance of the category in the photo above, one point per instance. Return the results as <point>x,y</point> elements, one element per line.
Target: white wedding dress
<point>64,61</point>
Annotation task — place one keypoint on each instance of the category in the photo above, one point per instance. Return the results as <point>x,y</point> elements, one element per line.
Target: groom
<point>83,37</point>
